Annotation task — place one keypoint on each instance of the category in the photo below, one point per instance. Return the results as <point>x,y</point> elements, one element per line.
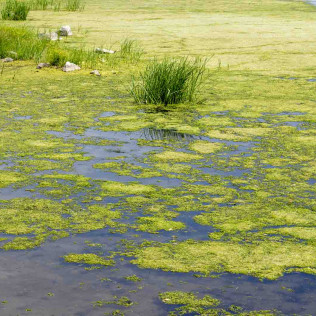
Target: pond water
<point>40,280</point>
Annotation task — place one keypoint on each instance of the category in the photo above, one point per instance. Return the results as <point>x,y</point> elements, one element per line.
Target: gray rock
<point>70,67</point>
<point>42,65</point>
<point>65,31</point>
<point>95,72</point>
<point>53,36</point>
<point>7,60</point>
<point>104,51</point>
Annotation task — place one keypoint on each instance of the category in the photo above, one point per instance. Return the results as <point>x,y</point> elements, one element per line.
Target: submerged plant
<point>15,10</point>
<point>170,81</point>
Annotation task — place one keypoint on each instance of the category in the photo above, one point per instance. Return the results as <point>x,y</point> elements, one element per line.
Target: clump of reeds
<point>169,81</point>
<point>131,50</point>
<point>22,41</point>
<point>15,10</point>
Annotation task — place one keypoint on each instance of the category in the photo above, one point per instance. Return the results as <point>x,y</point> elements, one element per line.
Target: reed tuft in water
<point>170,81</point>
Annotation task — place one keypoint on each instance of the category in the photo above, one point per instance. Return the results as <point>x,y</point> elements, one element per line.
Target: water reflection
<point>166,134</point>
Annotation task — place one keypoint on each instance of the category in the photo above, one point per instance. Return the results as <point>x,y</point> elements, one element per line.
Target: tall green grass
<point>74,5</point>
<point>131,50</point>
<point>169,81</point>
<point>40,4</point>
<point>15,10</point>
<point>21,40</point>
<point>56,5</point>
<point>58,55</point>
<point>25,43</point>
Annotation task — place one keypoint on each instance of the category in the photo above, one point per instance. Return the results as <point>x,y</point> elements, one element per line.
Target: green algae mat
<point>112,208</point>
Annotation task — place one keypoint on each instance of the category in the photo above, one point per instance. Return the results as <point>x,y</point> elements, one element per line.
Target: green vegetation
<point>133,278</point>
<point>25,44</point>
<point>22,41</point>
<point>88,258</point>
<point>74,5</point>
<point>268,259</point>
<point>169,81</point>
<point>58,55</point>
<point>130,49</point>
<point>121,301</point>
<point>15,10</point>
<point>204,306</point>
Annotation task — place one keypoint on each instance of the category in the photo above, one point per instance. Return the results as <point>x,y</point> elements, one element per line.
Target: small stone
<point>65,31</point>
<point>70,67</point>
<point>7,60</point>
<point>104,51</point>
<point>53,36</point>
<point>42,65</point>
<point>95,72</point>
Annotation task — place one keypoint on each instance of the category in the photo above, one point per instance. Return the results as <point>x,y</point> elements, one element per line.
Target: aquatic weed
<point>170,81</point>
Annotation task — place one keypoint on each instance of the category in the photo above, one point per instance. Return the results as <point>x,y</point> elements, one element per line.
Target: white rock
<point>104,51</point>
<point>7,60</point>
<point>70,67</point>
<point>65,31</point>
<point>95,72</point>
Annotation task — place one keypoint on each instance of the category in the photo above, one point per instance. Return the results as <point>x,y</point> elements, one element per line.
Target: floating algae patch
<point>88,258</point>
<point>113,188</point>
<point>175,156</point>
<point>35,165</point>
<point>263,259</point>
<point>42,219</point>
<point>217,121</point>
<point>127,169</point>
<point>95,217</point>
<point>157,223</point>
<point>207,305</point>
<point>8,178</point>
<point>205,147</point>
<point>256,216</point>
<point>64,156</point>
<point>225,135</point>
<point>63,185</point>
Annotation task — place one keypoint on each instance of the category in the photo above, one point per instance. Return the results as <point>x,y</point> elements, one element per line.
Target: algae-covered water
<point>113,208</point>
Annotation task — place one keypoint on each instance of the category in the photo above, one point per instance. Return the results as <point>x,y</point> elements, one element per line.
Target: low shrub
<point>169,81</point>
<point>15,10</point>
